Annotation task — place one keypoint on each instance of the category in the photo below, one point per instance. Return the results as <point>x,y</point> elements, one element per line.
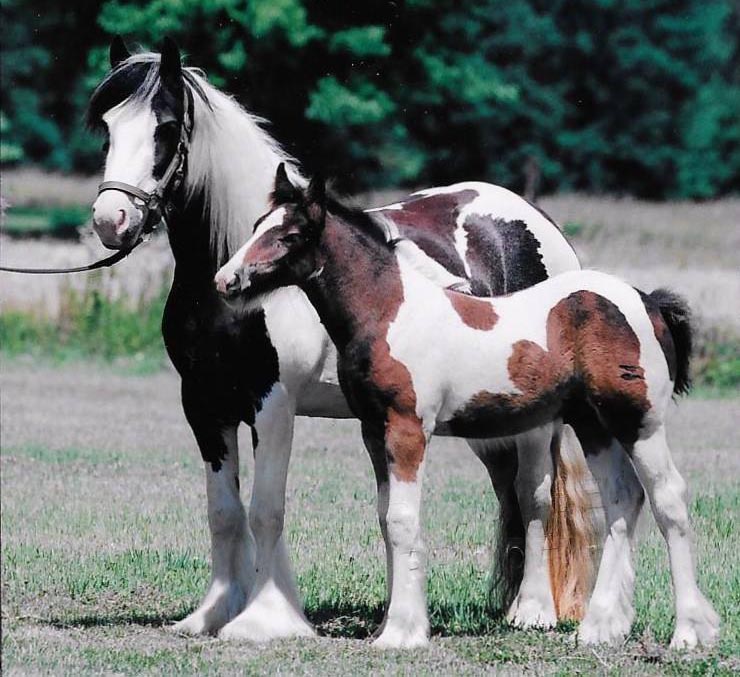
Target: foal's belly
<point>499,416</point>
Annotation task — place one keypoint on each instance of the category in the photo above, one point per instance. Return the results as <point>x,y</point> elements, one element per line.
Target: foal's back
<point>487,367</point>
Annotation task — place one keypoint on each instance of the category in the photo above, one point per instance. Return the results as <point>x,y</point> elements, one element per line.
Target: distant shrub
<point>717,362</point>
<point>89,326</point>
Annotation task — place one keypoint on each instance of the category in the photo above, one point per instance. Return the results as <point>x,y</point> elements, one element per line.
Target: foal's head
<point>140,107</point>
<point>282,249</point>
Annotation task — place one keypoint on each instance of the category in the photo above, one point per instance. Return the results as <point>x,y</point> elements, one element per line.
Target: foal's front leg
<point>274,607</point>
<point>534,606</point>
<point>231,551</point>
<point>406,622</point>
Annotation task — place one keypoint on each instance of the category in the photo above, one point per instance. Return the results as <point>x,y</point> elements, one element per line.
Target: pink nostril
<point>121,217</point>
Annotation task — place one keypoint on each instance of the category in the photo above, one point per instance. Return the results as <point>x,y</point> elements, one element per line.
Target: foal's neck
<point>357,287</point>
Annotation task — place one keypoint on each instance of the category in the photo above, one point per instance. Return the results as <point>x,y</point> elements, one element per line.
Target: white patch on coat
<point>226,272</point>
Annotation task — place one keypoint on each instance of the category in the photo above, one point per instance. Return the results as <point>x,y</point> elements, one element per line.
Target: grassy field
<point>104,544</point>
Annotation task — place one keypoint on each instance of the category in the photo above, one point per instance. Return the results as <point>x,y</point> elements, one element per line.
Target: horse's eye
<point>167,131</point>
<point>291,238</point>
<point>106,145</point>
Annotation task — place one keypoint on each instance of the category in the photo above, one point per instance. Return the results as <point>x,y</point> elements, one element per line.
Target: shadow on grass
<point>360,621</point>
<point>346,621</point>
<point>153,620</point>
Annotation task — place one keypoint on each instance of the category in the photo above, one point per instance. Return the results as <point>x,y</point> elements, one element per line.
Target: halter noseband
<point>155,207</point>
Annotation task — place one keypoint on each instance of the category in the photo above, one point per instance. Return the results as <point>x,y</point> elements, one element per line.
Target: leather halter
<point>156,206</point>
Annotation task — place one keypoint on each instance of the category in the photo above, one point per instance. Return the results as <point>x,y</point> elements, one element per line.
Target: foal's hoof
<point>532,613</point>
<point>701,626</point>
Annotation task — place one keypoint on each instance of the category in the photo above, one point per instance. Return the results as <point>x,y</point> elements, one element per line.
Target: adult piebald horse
<point>179,146</point>
<point>522,362</point>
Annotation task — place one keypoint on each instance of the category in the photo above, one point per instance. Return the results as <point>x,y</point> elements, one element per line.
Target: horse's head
<point>282,249</point>
<point>141,105</point>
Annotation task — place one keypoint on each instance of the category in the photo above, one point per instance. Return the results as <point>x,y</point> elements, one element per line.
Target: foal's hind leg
<point>534,605</point>
<point>231,566</point>
<point>610,612</point>
<point>274,608</point>
<point>696,620</point>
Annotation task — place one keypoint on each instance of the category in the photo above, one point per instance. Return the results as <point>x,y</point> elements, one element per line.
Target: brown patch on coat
<point>475,313</point>
<point>590,348</point>
<point>430,222</point>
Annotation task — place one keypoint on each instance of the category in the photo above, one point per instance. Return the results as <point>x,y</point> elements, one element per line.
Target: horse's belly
<point>321,399</point>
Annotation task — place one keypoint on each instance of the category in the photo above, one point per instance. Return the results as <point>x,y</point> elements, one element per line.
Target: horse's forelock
<point>134,79</point>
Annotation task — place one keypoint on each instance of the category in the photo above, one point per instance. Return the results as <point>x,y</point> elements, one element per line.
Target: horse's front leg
<point>534,606</point>
<point>274,607</point>
<point>231,556</point>
<point>406,622</point>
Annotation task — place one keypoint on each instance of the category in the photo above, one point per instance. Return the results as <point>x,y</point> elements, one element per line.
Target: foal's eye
<point>291,238</point>
<point>106,145</point>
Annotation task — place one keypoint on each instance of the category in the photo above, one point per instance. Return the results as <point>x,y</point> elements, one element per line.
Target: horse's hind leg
<point>231,565</point>
<point>610,612</point>
<point>499,456</point>
<point>534,605</point>
<point>274,608</point>
<point>696,620</point>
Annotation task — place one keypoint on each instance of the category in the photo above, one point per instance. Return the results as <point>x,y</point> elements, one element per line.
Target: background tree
<point>621,96</point>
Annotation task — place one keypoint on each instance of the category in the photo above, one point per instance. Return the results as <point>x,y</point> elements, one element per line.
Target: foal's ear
<point>118,51</point>
<point>170,66</point>
<point>316,200</point>
<point>284,191</point>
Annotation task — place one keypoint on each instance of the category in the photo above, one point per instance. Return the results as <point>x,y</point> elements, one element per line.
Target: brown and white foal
<point>416,359</point>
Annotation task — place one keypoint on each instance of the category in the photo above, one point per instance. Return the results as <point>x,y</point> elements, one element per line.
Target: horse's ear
<point>316,200</point>
<point>170,67</point>
<point>118,51</point>
<point>284,191</point>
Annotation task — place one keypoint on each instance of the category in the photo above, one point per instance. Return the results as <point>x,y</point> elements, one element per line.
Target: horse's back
<point>483,232</point>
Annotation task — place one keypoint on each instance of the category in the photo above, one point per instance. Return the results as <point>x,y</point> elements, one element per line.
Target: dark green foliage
<point>621,96</point>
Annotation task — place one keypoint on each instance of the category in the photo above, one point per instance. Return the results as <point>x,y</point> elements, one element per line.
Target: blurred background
<point>621,117</point>
<point>620,96</point>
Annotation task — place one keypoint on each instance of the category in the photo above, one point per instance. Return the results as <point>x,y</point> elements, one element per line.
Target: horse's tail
<point>676,314</point>
<point>570,530</point>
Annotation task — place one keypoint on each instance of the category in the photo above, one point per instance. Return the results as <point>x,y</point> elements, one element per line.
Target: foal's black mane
<point>356,216</point>
<point>136,77</point>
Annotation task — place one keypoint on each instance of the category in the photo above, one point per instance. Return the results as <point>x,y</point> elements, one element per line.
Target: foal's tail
<point>676,314</point>
<point>570,530</point>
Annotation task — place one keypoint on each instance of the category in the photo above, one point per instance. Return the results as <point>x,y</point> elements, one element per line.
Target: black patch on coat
<point>224,356</point>
<point>503,255</point>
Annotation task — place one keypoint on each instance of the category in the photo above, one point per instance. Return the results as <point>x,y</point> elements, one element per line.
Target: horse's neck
<point>357,284</point>
<point>188,230</point>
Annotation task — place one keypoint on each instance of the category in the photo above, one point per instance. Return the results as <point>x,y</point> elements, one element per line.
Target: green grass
<point>103,548</point>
